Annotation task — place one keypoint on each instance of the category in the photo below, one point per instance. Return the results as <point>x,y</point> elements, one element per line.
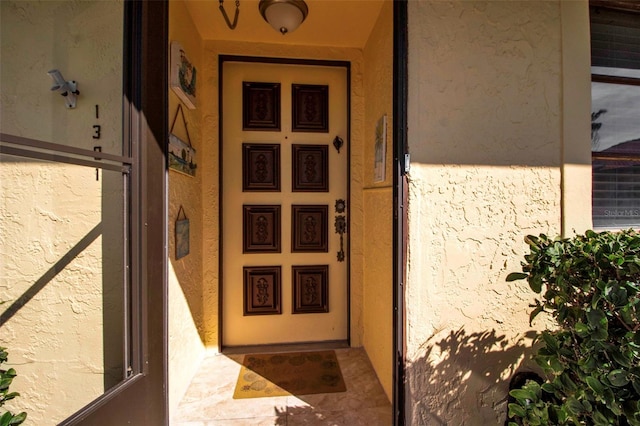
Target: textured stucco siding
<point>186,302</point>
<point>485,138</point>
<point>83,39</point>
<point>576,116</point>
<point>59,224</point>
<point>52,340</point>
<point>210,162</point>
<point>466,328</point>
<point>378,202</point>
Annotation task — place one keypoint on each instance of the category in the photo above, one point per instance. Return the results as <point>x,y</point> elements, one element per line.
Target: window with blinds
<point>615,117</point>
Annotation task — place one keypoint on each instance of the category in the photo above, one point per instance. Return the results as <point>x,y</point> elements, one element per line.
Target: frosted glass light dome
<point>284,15</point>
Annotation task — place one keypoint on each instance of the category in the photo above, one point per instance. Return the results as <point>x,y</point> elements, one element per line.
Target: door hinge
<point>407,163</point>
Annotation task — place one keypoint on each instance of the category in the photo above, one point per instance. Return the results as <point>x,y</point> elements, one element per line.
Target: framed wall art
<point>182,155</point>
<point>380,147</point>
<point>182,76</point>
<point>182,234</point>
<point>310,168</point>
<point>260,167</point>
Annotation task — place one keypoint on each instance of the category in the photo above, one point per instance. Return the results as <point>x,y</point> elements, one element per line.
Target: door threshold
<point>286,347</point>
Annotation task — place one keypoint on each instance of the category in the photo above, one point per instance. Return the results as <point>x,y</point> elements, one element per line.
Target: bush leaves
<point>6,377</point>
<point>590,285</point>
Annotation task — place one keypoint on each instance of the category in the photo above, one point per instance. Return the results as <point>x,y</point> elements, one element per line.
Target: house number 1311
<point>96,135</point>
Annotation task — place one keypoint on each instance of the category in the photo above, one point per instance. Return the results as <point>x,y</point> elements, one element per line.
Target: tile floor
<point>209,399</point>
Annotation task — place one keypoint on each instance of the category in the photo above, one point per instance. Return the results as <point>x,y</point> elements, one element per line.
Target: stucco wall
<point>486,139</point>
<point>61,234</point>
<point>378,201</point>
<point>576,107</point>
<point>186,307</point>
<point>210,179</point>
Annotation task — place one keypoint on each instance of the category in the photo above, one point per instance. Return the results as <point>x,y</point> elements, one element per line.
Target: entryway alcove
<point>228,286</point>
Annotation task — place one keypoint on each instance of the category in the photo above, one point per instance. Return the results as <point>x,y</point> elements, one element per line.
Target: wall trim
<point>400,168</point>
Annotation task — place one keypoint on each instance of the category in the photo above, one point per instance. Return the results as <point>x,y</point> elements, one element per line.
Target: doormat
<point>291,373</point>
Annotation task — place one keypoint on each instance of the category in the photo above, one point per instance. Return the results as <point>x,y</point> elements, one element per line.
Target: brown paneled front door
<point>284,204</point>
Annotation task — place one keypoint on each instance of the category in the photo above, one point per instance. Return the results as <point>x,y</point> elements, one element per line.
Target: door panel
<point>282,281</point>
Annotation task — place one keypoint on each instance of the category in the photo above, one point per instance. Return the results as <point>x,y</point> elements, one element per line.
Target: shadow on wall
<point>190,285</point>
<point>464,379</point>
<point>49,275</point>
<point>112,309</point>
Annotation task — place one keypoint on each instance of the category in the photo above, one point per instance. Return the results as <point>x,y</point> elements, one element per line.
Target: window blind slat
<point>615,39</point>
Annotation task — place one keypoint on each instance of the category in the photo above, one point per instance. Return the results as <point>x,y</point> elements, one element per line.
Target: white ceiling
<point>339,23</point>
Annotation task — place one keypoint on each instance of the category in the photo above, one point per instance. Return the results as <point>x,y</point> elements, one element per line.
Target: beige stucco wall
<point>210,179</point>
<point>186,305</point>
<point>378,202</point>
<point>487,136</point>
<point>576,105</point>
<point>59,224</point>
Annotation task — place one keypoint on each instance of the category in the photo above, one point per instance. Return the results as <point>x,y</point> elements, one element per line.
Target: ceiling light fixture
<point>284,15</point>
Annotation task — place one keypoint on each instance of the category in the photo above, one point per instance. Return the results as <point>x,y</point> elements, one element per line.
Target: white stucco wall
<point>61,228</point>
<point>487,141</point>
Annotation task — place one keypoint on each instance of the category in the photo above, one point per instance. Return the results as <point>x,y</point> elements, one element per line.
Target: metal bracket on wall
<point>226,17</point>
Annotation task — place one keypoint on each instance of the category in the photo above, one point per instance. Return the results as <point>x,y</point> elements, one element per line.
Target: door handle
<point>337,143</point>
<point>341,226</point>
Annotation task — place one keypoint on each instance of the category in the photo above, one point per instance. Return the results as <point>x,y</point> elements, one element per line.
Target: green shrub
<point>6,377</point>
<point>590,285</point>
